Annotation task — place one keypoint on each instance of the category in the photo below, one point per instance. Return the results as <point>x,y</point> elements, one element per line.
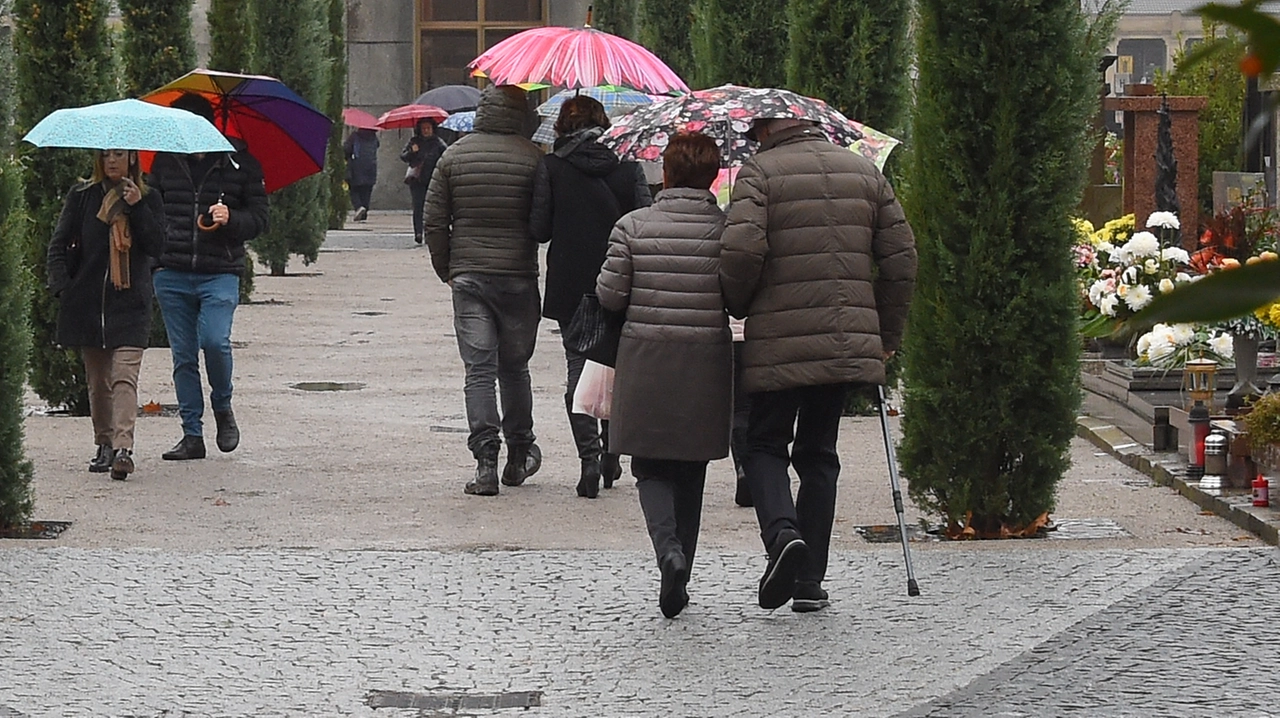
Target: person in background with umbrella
<point>99,267</point>
<point>361,148</point>
<point>673,386</point>
<point>477,226</point>
<point>580,191</point>
<point>422,153</point>
<point>213,204</point>
<point>819,258</point>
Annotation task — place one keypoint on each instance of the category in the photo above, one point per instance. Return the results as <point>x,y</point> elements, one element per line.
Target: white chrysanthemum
<point>1158,348</point>
<point>1151,266</point>
<point>1138,297</point>
<point>1164,220</point>
<point>1130,275</point>
<point>1175,254</point>
<point>1142,244</point>
<point>1166,285</point>
<point>1105,247</point>
<point>1144,344</point>
<point>1221,345</point>
<point>1098,290</point>
<point>1120,255</point>
<point>1109,304</point>
<point>1181,334</point>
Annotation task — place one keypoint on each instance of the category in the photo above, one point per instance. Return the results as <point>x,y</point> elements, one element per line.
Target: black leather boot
<point>122,464</point>
<point>522,462</point>
<point>485,482</point>
<point>101,462</point>
<point>228,436</point>
<point>589,483</point>
<point>610,469</point>
<point>191,447</point>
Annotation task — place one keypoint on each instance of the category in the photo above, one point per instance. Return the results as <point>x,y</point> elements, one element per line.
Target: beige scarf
<point>112,214</point>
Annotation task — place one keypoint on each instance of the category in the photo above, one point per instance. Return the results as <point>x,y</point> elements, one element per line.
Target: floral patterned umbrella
<point>725,113</point>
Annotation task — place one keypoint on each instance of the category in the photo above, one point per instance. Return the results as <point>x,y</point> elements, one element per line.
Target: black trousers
<point>671,498</point>
<point>796,427</point>
<point>418,195</point>
<point>361,195</point>
<point>741,412</point>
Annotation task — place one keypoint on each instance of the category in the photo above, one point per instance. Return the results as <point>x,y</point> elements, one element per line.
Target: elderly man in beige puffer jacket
<point>819,258</point>
<point>477,228</point>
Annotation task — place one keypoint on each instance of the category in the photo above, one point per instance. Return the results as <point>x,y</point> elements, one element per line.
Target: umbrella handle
<point>211,226</point>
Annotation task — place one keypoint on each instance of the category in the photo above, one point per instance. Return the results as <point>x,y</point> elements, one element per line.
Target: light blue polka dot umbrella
<point>460,121</point>
<point>128,125</point>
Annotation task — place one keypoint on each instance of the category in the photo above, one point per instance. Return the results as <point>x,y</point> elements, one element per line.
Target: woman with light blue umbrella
<point>100,256</point>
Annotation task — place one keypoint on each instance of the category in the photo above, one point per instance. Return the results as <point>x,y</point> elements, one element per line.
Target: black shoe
<point>485,482</point>
<point>672,596</point>
<point>610,469</point>
<point>228,436</point>
<point>417,238</point>
<point>589,483</point>
<point>191,447</point>
<point>742,494</point>
<point>517,468</point>
<point>785,561</point>
<point>101,462</point>
<point>362,214</point>
<point>809,597</point>
<point>122,464</point>
<point>533,462</point>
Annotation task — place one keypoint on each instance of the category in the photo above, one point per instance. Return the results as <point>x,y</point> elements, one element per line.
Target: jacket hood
<point>588,156</point>
<point>801,132</point>
<point>500,113</point>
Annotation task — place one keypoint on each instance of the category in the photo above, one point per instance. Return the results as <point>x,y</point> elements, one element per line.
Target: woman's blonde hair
<point>134,172</point>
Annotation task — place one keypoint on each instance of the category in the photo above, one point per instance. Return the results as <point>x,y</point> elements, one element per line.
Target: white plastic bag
<point>594,394</point>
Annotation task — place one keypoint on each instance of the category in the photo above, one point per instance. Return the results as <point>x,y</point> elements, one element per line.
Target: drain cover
<point>328,385</point>
<point>453,701</point>
<point>369,313</point>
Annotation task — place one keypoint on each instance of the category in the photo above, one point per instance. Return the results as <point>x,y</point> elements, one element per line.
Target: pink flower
<point>650,153</point>
<point>738,113</point>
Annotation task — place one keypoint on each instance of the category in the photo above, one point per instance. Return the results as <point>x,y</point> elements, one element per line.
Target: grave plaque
<point>1231,188</point>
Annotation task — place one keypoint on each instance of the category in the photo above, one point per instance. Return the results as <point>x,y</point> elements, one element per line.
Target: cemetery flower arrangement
<point>1120,271</point>
<point>1169,346</point>
<point>1246,233</point>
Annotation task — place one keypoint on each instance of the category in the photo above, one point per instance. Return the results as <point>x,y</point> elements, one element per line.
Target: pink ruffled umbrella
<point>575,57</point>
<point>407,116</point>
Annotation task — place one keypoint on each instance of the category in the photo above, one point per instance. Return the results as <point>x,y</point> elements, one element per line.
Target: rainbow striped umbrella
<point>575,57</point>
<point>285,133</point>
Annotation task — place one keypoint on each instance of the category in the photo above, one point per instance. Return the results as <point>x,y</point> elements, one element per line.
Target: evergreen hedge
<point>292,45</point>
<point>335,165</point>
<point>992,353</point>
<point>739,41</point>
<point>853,54</point>
<point>15,345</point>
<point>63,59</point>
<point>663,27</point>
<point>158,47</point>
<point>231,35</point>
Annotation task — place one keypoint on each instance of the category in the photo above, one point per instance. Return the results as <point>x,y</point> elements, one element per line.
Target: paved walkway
<point>332,566</point>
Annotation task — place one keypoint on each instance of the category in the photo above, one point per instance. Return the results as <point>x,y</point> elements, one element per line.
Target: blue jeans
<point>496,320</point>
<point>198,309</point>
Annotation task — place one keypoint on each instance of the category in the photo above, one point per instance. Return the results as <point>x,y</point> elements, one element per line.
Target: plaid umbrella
<point>616,101</point>
<point>725,113</point>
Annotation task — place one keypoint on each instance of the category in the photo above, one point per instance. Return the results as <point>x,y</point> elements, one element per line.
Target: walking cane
<point>913,589</point>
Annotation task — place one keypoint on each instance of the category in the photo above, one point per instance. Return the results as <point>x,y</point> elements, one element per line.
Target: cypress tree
<point>292,45</point>
<point>7,89</point>
<point>158,46</point>
<point>854,55</point>
<point>231,35</point>
<point>663,27</point>
<point>335,166</point>
<point>63,60</point>
<point>739,41</point>
<point>231,50</point>
<point>992,353</point>
<point>616,16</point>
<point>15,344</point>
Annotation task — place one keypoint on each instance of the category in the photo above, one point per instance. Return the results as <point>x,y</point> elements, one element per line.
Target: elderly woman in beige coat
<point>672,393</point>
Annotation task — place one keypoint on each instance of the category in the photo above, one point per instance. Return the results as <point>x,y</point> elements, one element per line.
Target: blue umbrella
<point>128,125</point>
<point>460,121</point>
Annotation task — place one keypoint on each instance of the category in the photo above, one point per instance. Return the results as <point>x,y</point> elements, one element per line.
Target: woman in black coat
<point>422,153</point>
<point>579,191</point>
<point>99,267</point>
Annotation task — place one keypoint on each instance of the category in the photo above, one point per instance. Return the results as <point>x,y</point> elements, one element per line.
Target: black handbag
<point>594,332</point>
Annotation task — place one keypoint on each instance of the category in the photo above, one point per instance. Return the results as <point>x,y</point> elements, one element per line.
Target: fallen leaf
<point>152,407</point>
<point>1206,513</point>
<point>220,502</point>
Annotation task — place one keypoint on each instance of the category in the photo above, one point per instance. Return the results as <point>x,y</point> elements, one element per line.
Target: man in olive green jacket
<point>477,228</point>
<point>819,258</point>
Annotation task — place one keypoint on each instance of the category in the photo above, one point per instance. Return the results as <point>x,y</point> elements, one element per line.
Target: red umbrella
<point>359,119</point>
<point>576,57</point>
<point>408,116</point>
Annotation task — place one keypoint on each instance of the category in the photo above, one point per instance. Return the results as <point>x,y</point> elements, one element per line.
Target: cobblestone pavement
<point>310,633</point>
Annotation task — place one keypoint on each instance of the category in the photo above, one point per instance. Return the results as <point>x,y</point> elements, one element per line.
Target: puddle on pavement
<point>328,385</point>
